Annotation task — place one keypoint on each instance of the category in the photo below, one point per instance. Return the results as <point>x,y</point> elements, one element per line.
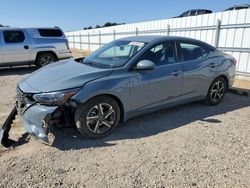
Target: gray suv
<point>39,46</point>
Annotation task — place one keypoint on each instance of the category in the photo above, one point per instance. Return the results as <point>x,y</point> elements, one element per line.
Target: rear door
<point>15,46</point>
<point>198,69</point>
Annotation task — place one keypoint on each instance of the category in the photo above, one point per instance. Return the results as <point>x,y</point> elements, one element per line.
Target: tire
<point>45,59</point>
<point>103,113</point>
<point>217,91</point>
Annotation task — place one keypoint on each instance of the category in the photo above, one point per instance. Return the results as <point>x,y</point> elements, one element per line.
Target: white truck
<point>25,46</point>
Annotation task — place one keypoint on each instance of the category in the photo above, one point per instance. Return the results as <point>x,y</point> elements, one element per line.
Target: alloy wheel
<point>101,118</point>
<point>46,60</point>
<point>217,91</point>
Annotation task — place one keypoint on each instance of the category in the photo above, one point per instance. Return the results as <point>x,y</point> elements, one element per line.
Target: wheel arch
<point>44,52</point>
<point>117,99</point>
<point>219,76</point>
<point>226,79</point>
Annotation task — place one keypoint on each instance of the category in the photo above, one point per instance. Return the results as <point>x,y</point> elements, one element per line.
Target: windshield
<point>114,54</point>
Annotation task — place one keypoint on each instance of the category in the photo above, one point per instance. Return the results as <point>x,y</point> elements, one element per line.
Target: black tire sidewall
<point>39,57</point>
<point>83,110</point>
<point>208,99</point>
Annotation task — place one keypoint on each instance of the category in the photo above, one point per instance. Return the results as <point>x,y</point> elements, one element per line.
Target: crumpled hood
<point>61,75</point>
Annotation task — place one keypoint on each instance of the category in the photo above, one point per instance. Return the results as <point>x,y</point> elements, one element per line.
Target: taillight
<point>234,61</point>
<point>67,44</point>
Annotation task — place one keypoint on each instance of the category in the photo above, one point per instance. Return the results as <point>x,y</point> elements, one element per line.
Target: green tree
<point>107,24</point>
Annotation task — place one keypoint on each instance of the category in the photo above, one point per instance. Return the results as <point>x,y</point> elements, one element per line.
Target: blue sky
<point>73,15</point>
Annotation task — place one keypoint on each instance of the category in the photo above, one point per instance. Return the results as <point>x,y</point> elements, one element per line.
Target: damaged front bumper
<point>35,117</point>
<point>36,120</point>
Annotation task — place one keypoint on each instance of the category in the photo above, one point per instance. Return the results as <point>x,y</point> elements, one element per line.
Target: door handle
<point>26,47</point>
<point>176,73</point>
<point>213,65</point>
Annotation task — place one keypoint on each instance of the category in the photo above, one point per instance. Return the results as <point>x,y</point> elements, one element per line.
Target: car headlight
<point>55,98</point>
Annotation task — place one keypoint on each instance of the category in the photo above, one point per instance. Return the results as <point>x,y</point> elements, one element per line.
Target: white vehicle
<point>25,46</point>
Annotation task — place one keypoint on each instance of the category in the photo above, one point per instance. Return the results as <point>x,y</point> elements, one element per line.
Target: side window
<point>199,12</point>
<point>191,51</point>
<point>50,32</point>
<point>193,12</point>
<point>161,54</point>
<point>157,48</point>
<point>13,36</point>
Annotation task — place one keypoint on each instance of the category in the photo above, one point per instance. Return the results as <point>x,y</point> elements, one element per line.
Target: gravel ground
<point>192,145</point>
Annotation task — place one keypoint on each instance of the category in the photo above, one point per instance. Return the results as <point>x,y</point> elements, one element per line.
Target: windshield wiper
<point>87,63</point>
<point>93,64</point>
<point>90,64</point>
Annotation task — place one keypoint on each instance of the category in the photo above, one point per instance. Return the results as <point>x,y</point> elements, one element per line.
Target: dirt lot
<point>192,145</point>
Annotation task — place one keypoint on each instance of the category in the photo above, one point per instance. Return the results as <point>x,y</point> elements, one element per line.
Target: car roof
<point>237,6</point>
<point>16,28</point>
<point>9,28</point>
<point>160,38</point>
<point>155,38</point>
<point>197,9</point>
<point>242,5</point>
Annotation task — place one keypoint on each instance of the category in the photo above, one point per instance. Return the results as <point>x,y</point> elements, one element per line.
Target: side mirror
<point>145,65</point>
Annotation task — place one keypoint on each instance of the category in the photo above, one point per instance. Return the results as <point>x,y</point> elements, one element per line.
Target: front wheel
<point>97,117</point>
<point>216,91</point>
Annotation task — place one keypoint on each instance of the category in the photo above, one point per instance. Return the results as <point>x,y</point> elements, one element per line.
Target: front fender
<point>116,86</point>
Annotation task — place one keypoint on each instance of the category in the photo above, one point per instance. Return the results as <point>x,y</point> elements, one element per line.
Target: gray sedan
<point>123,79</point>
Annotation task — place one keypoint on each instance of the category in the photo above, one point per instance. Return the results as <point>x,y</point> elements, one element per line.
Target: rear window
<point>50,32</point>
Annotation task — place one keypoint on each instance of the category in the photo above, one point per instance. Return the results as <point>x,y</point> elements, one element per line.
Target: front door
<point>151,88</point>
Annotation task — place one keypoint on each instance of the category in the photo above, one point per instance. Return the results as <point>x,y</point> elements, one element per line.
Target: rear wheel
<point>45,59</point>
<point>216,91</point>
<point>97,117</point>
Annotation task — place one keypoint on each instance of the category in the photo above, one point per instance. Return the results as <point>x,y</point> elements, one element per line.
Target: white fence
<point>229,31</point>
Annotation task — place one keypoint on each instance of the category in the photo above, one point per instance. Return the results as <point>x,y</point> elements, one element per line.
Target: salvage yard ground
<point>186,146</point>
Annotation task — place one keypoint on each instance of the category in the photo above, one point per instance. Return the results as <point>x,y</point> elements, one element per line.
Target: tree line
<point>4,25</point>
<point>108,24</point>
